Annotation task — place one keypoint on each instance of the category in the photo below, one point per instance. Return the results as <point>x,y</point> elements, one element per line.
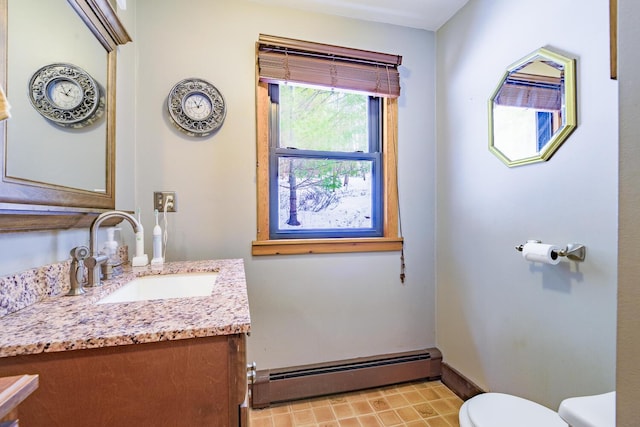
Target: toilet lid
<point>504,410</point>
<point>590,411</point>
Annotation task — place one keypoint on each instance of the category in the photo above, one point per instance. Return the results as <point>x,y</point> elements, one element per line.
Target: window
<point>325,172</point>
<point>326,145</point>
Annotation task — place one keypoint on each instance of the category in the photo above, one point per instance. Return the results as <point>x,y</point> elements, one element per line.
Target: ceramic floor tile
<point>342,410</point>
<point>408,414</point>
<point>443,406</point>
<point>379,404</point>
<point>437,422</point>
<point>261,422</point>
<point>280,409</point>
<point>390,418</point>
<point>362,407</point>
<point>413,396</point>
<point>397,400</point>
<point>370,421</point>
<point>350,422</point>
<point>323,414</point>
<point>283,420</point>
<point>303,417</point>
<point>452,419</point>
<point>429,393</point>
<point>425,410</point>
<point>419,404</point>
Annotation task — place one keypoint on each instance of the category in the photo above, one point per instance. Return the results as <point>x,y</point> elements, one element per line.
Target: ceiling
<point>423,14</point>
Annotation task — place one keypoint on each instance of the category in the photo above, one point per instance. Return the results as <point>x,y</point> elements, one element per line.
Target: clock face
<point>196,107</point>
<point>66,95</point>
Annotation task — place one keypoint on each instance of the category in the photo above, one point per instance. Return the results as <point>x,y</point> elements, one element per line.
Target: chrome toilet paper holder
<point>573,251</point>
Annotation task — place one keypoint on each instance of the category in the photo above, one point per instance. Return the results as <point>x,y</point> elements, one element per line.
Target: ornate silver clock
<point>196,107</point>
<point>66,95</point>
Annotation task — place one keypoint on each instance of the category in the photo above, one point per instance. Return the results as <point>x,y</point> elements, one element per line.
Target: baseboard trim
<point>458,383</point>
<point>279,385</point>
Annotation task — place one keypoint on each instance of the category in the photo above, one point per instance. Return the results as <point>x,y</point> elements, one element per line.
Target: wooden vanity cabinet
<point>189,382</point>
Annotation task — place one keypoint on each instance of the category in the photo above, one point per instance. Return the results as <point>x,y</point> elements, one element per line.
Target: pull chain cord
<point>402,275</point>
<point>402,265</point>
<point>165,233</point>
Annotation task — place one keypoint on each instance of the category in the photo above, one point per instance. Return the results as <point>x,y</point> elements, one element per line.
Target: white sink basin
<point>164,286</point>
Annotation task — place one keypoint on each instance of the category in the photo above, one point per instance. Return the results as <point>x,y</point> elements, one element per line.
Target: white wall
<point>628,372</point>
<point>541,332</point>
<point>307,308</point>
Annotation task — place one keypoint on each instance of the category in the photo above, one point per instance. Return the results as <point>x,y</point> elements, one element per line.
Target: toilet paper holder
<point>573,251</point>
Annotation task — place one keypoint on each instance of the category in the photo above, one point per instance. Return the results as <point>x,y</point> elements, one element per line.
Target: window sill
<point>325,246</point>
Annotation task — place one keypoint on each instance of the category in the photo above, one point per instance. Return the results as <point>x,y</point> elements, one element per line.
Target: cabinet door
<point>168,383</point>
<point>244,412</point>
<point>238,386</point>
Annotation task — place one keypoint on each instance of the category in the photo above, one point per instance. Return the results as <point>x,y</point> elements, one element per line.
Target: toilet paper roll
<point>539,252</point>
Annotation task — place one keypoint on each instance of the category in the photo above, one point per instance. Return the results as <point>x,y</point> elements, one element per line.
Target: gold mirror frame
<point>564,114</point>
<point>28,205</point>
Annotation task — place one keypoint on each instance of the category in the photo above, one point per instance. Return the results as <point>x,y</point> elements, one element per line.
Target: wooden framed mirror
<point>533,109</point>
<point>44,167</point>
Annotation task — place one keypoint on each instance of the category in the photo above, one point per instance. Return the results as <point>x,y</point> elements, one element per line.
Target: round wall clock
<point>196,107</point>
<point>66,95</point>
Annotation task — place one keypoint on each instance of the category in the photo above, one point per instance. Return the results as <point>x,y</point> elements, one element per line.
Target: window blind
<point>282,60</point>
<point>539,97</point>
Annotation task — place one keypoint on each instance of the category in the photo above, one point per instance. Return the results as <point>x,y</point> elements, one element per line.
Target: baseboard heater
<point>279,385</point>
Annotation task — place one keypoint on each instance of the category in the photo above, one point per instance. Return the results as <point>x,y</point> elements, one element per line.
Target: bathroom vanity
<point>172,362</point>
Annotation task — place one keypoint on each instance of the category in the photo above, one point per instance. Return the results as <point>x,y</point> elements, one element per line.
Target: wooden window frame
<point>391,240</point>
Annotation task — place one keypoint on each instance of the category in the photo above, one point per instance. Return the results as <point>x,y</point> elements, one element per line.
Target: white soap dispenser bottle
<point>157,243</point>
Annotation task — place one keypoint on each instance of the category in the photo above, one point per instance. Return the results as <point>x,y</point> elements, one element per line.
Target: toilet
<point>505,410</point>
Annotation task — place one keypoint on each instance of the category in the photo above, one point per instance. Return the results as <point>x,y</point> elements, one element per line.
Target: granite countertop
<point>62,323</point>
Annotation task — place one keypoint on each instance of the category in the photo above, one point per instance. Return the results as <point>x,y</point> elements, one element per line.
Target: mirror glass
<point>533,109</point>
<point>58,173</point>
<point>38,149</point>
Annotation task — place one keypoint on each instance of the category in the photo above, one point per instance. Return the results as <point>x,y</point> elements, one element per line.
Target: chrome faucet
<point>95,260</point>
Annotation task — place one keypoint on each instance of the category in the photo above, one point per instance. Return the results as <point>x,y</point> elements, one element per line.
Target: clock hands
<point>68,88</point>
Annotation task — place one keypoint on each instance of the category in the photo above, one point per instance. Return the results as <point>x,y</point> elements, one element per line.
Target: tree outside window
<point>325,156</point>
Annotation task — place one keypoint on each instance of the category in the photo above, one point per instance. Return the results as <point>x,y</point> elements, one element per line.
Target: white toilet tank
<point>590,411</point>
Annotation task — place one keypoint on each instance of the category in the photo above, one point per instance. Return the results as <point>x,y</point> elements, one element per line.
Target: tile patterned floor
<point>412,404</point>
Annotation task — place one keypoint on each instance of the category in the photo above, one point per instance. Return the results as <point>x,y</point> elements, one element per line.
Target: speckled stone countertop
<point>61,323</point>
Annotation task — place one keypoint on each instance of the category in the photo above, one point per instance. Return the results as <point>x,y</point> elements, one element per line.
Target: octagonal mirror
<point>533,109</point>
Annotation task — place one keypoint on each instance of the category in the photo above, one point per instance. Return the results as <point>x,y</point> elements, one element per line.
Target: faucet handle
<point>77,269</point>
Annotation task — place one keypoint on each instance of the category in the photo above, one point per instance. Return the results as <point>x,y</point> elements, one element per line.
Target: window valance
<point>289,60</point>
